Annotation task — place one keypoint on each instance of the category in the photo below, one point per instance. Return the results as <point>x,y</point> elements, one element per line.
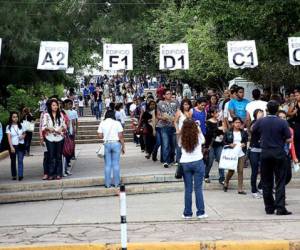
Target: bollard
<point>123,217</point>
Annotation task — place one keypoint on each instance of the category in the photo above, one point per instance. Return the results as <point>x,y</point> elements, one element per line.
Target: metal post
<point>123,217</point>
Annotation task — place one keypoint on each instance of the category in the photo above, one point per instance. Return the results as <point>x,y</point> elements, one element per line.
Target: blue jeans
<point>112,163</point>
<point>193,171</point>
<point>98,110</point>
<point>168,143</point>
<point>254,158</point>
<point>157,144</point>
<point>19,153</point>
<point>214,154</point>
<point>178,153</point>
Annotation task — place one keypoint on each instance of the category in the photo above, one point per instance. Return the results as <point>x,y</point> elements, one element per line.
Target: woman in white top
<point>183,113</point>
<point>53,127</point>
<point>111,132</point>
<point>16,136</point>
<point>129,99</point>
<point>120,114</point>
<point>193,167</point>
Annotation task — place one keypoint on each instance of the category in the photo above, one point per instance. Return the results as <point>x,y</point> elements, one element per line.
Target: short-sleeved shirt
<point>15,133</point>
<point>110,129</point>
<point>239,107</point>
<point>167,109</point>
<point>257,104</point>
<point>273,132</point>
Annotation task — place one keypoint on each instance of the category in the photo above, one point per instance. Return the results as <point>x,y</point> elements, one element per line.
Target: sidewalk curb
<point>4,154</point>
<point>203,245</point>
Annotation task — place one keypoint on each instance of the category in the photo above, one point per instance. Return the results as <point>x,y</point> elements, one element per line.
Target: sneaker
<point>256,195</point>
<point>166,165</point>
<point>260,191</point>
<point>186,217</point>
<point>207,180</point>
<point>68,172</point>
<point>203,216</point>
<point>175,164</point>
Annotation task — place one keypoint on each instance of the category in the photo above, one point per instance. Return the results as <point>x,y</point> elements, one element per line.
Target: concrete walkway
<point>153,217</point>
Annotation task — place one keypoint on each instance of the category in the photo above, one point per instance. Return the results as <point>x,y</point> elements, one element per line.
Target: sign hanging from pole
<point>174,56</point>
<point>294,50</point>
<point>242,54</point>
<point>53,56</point>
<point>117,57</point>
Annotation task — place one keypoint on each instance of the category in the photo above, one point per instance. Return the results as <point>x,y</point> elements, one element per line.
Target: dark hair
<point>58,116</point>
<point>149,103</point>
<point>256,94</point>
<point>80,98</point>
<point>256,111</point>
<point>239,88</point>
<point>272,107</point>
<point>183,102</point>
<point>211,111</point>
<point>201,100</point>
<point>237,119</point>
<point>189,135</point>
<point>118,106</point>
<point>10,120</point>
<point>110,114</point>
<point>67,101</point>
<point>167,90</point>
<point>281,112</point>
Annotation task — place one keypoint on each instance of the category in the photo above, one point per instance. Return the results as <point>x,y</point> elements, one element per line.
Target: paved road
<point>153,217</point>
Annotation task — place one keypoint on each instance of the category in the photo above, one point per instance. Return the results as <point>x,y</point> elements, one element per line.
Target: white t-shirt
<point>226,113</point>
<point>81,103</point>
<point>107,102</point>
<point>129,97</point>
<point>237,139</point>
<point>110,129</point>
<point>15,134</point>
<point>121,116</point>
<point>252,106</point>
<point>196,155</point>
<point>132,107</point>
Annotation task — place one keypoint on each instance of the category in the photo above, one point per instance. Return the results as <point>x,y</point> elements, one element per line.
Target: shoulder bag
<point>101,151</point>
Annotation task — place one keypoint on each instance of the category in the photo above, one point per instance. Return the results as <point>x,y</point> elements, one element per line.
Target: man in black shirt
<point>274,134</point>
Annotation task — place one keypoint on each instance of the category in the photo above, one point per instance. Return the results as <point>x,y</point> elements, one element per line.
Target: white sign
<point>53,56</point>
<point>117,57</point>
<point>70,70</point>
<point>242,54</point>
<point>294,50</point>
<point>0,45</point>
<point>174,56</point>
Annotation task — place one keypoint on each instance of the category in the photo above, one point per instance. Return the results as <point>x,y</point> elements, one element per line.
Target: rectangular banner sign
<point>174,56</point>
<point>53,56</point>
<point>294,50</point>
<point>242,54</point>
<point>117,57</point>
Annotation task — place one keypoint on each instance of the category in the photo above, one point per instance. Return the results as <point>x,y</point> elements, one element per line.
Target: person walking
<point>214,143</point>
<point>183,113</point>
<point>237,106</point>
<point>166,111</point>
<point>16,135</point>
<point>98,102</point>
<point>54,127</point>
<point>257,103</point>
<point>274,133</point>
<point>193,168</point>
<point>1,135</point>
<point>255,155</point>
<point>237,137</point>
<point>199,114</point>
<point>80,106</point>
<point>111,131</point>
<point>28,117</point>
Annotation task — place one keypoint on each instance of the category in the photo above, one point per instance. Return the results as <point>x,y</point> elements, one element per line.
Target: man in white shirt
<point>255,104</point>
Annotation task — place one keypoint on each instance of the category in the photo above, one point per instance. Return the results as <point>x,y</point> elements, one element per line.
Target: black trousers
<point>55,157</point>
<point>28,139</point>
<point>273,163</point>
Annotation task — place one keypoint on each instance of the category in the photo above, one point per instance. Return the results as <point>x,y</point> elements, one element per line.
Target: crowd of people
<point>176,126</point>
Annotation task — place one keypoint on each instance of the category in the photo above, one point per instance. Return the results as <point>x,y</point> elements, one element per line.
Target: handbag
<point>28,126</point>
<point>229,158</point>
<point>179,172</point>
<point>101,151</point>
<point>69,146</point>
